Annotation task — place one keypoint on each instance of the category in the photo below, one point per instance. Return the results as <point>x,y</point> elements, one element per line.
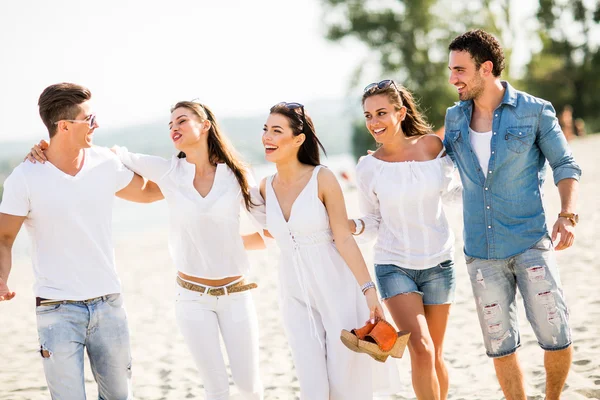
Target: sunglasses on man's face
<point>384,84</point>
<point>90,120</point>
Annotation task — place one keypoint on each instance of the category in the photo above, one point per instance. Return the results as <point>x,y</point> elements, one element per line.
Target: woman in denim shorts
<point>401,188</point>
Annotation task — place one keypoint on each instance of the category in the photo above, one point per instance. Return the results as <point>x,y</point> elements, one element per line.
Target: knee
<point>423,349</point>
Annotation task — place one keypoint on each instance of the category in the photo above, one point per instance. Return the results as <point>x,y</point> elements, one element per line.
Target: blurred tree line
<point>408,41</point>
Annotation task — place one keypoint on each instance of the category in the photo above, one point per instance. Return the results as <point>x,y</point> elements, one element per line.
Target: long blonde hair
<point>220,149</point>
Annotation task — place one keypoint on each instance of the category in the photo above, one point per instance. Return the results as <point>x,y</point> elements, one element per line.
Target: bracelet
<point>367,286</point>
<point>362,229</point>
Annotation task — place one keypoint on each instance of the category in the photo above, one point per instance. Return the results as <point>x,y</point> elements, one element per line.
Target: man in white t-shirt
<point>66,205</point>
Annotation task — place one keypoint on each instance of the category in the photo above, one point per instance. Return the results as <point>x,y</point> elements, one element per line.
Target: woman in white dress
<point>401,187</point>
<point>321,268</point>
<point>205,186</point>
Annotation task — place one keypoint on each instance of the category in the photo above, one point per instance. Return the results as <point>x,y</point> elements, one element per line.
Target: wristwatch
<point>574,218</point>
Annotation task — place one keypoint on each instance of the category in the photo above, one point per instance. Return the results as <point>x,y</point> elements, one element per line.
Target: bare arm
<point>9,228</point>
<point>333,198</point>
<point>253,241</point>
<point>140,190</point>
<point>567,189</point>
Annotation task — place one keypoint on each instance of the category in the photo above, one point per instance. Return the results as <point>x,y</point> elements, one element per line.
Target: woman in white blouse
<point>401,187</point>
<point>204,186</point>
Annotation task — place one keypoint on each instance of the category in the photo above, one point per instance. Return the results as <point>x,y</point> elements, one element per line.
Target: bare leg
<point>409,315</point>
<point>557,364</point>
<point>510,377</point>
<point>437,320</point>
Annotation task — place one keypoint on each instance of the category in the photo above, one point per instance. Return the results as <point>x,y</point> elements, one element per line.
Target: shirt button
<point>486,188</point>
<point>492,152</point>
<point>488,207</point>
<point>520,133</point>
<point>494,133</point>
<point>489,227</point>
<point>496,115</point>
<point>489,172</point>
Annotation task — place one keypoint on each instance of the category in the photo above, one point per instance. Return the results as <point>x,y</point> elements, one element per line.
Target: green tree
<point>567,69</point>
<point>408,39</point>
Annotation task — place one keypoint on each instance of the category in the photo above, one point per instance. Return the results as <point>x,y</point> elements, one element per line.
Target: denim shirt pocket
<point>519,139</point>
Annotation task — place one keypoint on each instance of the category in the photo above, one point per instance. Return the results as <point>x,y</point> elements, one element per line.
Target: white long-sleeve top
<point>204,237</point>
<point>402,206</point>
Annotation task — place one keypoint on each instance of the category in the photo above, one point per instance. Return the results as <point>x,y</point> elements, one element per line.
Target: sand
<point>163,369</point>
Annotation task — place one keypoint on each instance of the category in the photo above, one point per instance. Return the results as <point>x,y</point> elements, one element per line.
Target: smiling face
<point>187,128</point>
<point>279,140</point>
<point>382,119</point>
<point>465,76</point>
<point>77,131</point>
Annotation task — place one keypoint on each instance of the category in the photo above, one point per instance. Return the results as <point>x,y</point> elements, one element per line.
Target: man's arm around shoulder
<point>140,190</point>
<point>9,228</point>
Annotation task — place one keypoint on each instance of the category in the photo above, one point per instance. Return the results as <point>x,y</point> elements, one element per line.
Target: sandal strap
<point>384,334</point>
<point>362,332</point>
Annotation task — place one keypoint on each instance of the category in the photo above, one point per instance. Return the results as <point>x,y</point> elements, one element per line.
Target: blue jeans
<point>99,326</point>
<point>535,273</point>
<point>435,284</point>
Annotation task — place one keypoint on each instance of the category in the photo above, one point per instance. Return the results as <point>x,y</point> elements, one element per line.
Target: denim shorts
<point>435,284</point>
<point>535,273</point>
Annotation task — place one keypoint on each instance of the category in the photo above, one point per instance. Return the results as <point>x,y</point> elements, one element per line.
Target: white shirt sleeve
<point>153,168</point>
<point>367,201</point>
<point>452,188</point>
<point>15,199</point>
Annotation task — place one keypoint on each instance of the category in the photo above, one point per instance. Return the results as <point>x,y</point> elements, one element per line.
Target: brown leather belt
<point>240,286</point>
<point>39,301</point>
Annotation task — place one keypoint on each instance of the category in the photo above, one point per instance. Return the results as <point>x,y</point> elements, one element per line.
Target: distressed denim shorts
<point>435,284</point>
<point>535,273</point>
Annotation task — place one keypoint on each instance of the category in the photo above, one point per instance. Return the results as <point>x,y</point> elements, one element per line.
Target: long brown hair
<point>300,122</point>
<point>220,150</point>
<point>415,123</point>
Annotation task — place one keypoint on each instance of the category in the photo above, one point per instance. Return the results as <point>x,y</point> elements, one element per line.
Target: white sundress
<point>320,297</point>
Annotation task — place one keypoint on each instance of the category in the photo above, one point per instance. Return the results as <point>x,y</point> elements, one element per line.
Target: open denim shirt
<point>503,213</point>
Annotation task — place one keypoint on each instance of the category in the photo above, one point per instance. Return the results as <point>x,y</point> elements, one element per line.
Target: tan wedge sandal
<point>379,340</point>
<point>384,341</point>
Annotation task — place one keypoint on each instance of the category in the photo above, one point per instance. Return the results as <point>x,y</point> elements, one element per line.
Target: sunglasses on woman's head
<point>294,106</point>
<point>384,84</point>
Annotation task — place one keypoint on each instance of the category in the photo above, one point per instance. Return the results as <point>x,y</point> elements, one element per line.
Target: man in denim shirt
<point>499,139</point>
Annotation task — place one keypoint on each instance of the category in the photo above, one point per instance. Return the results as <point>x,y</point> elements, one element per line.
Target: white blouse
<point>204,238</point>
<point>402,203</point>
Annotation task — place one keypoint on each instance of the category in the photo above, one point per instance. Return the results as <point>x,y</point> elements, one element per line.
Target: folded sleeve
<point>367,200</point>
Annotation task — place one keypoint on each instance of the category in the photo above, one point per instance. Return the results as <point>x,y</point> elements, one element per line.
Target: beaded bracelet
<point>367,286</point>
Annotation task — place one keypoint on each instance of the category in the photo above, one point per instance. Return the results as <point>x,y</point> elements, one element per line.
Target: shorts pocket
<point>47,309</point>
<point>544,243</point>
<point>115,300</point>
<point>469,259</point>
<point>448,264</point>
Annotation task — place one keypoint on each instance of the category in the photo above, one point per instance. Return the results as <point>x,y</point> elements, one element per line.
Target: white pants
<point>200,318</point>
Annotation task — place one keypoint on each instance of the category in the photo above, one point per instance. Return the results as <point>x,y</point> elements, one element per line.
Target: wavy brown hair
<point>220,150</point>
<point>415,123</point>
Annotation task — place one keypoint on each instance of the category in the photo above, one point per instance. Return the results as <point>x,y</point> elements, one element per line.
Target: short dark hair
<point>482,46</point>
<point>61,101</point>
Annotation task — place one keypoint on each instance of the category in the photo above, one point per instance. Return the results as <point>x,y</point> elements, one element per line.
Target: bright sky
<point>138,57</point>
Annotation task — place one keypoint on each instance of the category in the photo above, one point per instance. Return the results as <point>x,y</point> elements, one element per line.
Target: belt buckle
<point>216,291</point>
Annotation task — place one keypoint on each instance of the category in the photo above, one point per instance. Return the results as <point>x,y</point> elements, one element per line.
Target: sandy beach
<point>163,369</point>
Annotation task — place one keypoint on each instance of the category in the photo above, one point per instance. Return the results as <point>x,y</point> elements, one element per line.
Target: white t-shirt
<point>204,238</point>
<point>402,206</point>
<point>481,144</point>
<point>69,221</point>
